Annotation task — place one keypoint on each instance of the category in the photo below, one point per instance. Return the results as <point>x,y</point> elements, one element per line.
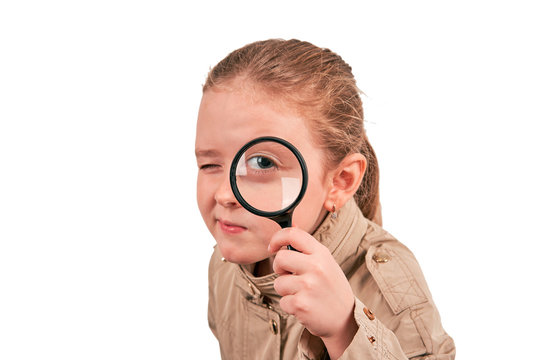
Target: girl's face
<point>229,118</point>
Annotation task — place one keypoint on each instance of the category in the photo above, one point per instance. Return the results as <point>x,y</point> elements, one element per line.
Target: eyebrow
<point>206,153</point>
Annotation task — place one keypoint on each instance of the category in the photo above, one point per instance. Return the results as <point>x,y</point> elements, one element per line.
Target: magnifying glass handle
<point>285,221</point>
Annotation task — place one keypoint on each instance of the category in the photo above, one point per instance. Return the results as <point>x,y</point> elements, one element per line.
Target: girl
<point>351,291</point>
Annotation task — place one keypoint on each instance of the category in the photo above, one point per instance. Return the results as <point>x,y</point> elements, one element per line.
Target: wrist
<point>340,341</point>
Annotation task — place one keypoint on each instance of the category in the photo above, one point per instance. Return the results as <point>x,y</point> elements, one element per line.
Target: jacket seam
<point>412,282</point>
<point>419,322</point>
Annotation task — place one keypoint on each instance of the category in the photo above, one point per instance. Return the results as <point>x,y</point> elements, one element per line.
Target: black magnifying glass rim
<point>234,186</point>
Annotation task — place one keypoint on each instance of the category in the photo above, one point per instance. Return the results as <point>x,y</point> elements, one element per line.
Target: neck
<point>264,267</point>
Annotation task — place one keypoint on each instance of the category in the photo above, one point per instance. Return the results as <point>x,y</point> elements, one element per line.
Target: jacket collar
<point>342,236</point>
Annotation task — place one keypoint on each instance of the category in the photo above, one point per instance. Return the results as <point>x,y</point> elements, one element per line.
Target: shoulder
<point>221,277</point>
<point>397,292</point>
<point>215,261</point>
<point>395,270</point>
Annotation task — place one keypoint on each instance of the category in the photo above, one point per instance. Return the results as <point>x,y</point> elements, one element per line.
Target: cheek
<point>311,209</point>
<point>308,213</point>
<point>199,192</point>
<point>265,229</point>
<point>204,195</point>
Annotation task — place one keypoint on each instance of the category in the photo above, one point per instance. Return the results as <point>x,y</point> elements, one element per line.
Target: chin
<point>241,255</point>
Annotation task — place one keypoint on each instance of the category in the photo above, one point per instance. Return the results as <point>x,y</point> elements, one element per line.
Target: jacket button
<point>381,257</point>
<point>267,302</point>
<point>369,314</point>
<point>371,339</point>
<point>273,327</point>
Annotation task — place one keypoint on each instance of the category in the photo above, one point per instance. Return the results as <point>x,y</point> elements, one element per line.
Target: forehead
<point>230,117</point>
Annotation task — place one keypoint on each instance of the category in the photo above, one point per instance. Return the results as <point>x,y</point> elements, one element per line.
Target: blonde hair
<point>322,87</point>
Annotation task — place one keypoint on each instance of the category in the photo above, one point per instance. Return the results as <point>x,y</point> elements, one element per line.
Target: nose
<point>224,195</point>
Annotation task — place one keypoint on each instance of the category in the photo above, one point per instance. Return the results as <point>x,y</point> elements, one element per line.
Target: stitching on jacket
<point>369,331</point>
<point>418,321</point>
<point>379,331</point>
<point>413,285</point>
<point>381,335</point>
<point>404,293</point>
<point>418,351</point>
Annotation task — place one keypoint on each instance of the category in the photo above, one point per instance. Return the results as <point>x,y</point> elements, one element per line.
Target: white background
<point>103,254</point>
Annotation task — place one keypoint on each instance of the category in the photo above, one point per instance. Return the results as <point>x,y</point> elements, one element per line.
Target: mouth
<point>229,227</point>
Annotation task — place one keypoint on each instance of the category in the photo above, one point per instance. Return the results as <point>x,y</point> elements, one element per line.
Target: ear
<point>345,180</point>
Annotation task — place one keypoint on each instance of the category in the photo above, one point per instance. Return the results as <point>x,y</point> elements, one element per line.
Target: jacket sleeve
<point>411,328</point>
<point>405,323</point>
<point>374,340</point>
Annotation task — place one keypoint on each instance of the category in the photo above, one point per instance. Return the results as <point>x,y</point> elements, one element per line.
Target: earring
<point>334,215</point>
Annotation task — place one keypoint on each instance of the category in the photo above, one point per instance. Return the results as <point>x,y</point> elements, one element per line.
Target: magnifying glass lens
<point>269,176</point>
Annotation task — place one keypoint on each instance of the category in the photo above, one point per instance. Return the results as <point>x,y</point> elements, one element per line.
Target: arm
<point>314,289</point>
<point>318,294</point>
<point>384,344</point>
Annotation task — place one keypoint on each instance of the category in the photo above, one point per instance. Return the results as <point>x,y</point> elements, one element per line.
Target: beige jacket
<point>396,316</point>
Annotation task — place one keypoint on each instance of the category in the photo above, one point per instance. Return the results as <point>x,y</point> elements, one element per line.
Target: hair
<point>320,84</point>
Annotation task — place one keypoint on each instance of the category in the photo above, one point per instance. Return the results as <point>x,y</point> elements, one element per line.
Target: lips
<point>229,227</point>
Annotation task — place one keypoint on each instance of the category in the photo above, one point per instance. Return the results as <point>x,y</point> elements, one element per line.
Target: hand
<point>314,288</point>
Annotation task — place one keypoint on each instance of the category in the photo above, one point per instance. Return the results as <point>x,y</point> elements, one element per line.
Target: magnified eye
<point>261,163</point>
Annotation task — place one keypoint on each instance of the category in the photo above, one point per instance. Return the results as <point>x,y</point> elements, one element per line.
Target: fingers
<point>290,262</point>
<point>297,238</point>
<point>287,285</point>
<point>295,305</point>
<point>287,304</point>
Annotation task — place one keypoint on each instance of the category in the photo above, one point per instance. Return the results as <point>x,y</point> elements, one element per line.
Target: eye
<point>261,163</point>
<point>208,166</point>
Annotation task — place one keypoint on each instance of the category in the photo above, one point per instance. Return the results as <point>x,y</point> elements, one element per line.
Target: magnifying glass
<point>269,178</point>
